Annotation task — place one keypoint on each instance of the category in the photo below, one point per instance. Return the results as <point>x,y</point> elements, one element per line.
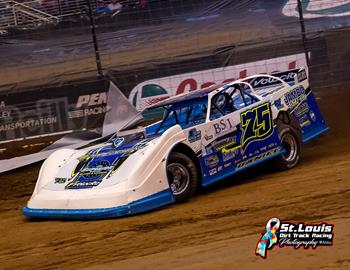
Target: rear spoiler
<point>291,77</point>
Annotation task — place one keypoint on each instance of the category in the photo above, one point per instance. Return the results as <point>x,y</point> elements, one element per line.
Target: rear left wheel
<point>182,176</point>
<point>291,142</point>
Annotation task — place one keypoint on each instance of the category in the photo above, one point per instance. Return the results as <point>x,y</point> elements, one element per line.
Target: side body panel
<point>235,141</point>
<point>241,139</point>
<point>309,117</point>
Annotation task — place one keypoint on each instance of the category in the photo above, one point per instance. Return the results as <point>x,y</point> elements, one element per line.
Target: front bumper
<point>145,204</point>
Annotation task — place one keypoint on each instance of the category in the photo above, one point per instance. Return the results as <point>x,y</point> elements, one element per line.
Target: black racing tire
<point>182,176</point>
<point>290,138</point>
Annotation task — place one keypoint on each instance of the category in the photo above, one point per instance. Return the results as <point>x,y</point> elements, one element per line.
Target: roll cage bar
<point>246,81</point>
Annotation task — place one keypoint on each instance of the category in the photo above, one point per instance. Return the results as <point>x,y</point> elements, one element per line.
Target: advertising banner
<point>55,110</point>
<point>151,91</point>
<point>103,112</point>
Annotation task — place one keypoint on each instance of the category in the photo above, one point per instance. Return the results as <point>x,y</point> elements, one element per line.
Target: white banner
<point>152,91</point>
<point>318,8</point>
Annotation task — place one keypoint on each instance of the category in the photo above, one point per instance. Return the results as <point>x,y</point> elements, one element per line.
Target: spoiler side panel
<point>309,117</point>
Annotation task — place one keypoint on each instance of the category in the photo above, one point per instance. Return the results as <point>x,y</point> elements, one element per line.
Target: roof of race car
<point>186,96</point>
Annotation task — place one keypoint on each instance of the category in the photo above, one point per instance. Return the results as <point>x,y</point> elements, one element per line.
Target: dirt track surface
<point>217,229</point>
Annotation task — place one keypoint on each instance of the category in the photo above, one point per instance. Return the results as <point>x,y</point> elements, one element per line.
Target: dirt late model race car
<point>202,137</point>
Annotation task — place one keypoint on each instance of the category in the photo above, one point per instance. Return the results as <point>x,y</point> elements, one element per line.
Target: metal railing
<point>13,13</point>
<point>37,12</point>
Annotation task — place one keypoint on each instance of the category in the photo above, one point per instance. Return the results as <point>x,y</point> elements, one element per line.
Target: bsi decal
<point>222,126</point>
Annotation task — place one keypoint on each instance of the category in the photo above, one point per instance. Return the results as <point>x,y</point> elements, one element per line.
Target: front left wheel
<point>182,176</point>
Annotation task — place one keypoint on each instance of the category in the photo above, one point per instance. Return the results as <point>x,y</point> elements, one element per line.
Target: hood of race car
<point>86,170</point>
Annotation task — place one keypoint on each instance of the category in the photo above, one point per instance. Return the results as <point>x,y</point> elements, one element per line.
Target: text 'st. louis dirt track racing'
<point>202,137</point>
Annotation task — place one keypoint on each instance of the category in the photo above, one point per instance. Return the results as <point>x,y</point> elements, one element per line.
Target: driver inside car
<point>222,105</point>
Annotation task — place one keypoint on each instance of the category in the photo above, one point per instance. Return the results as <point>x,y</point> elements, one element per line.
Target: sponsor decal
<point>257,158</point>
<point>278,104</point>
<point>207,151</point>
<point>118,141</point>
<point>256,124</point>
<point>194,135</point>
<point>230,150</point>
<point>223,126</point>
<point>213,171</point>
<point>88,177</point>
<point>302,109</point>
<point>87,172</point>
<point>152,91</point>
<point>228,156</point>
<point>302,76</point>
<point>225,142</point>
<point>233,148</point>
<point>295,96</point>
<point>294,235</point>
<point>226,165</point>
<point>208,137</point>
<point>264,82</point>
<point>96,170</point>
<point>126,151</point>
<point>82,184</point>
<point>211,161</point>
<point>116,152</point>
<point>90,171</point>
<point>304,121</point>
<point>60,180</point>
<point>318,8</point>
<point>101,167</point>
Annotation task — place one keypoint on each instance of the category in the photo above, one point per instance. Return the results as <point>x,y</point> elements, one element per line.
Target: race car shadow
<point>312,152</point>
<point>256,173</point>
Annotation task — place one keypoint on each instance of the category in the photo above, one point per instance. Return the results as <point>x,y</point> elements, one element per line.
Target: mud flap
<point>310,118</point>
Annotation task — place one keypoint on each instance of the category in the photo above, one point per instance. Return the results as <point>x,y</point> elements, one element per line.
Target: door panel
<point>238,140</point>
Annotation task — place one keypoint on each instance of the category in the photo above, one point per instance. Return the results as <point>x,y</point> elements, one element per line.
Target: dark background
<point>176,36</point>
<point>163,38</point>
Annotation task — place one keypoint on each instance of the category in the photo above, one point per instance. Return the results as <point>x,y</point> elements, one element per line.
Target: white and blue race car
<point>202,137</point>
